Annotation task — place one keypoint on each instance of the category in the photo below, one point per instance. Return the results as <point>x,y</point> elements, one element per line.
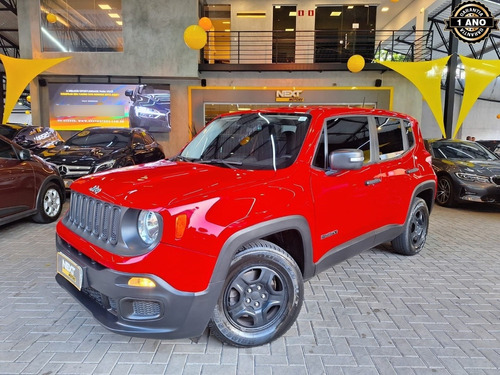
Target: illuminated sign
<point>289,96</point>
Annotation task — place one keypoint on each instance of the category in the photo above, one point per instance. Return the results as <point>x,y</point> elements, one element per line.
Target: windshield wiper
<point>181,158</point>
<point>227,163</point>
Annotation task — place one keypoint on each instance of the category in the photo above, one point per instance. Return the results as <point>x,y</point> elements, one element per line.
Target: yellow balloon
<point>195,37</point>
<point>356,63</point>
<point>498,116</point>
<point>28,98</point>
<point>205,23</point>
<point>394,1</point>
<point>51,18</point>
<point>27,112</point>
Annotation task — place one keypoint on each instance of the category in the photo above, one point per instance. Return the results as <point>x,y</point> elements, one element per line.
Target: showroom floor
<point>378,313</point>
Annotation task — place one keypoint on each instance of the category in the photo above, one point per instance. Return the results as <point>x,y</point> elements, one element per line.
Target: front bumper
<point>478,192</point>
<point>160,312</point>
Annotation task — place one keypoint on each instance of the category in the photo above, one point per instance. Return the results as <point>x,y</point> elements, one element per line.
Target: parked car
<point>466,171</point>
<point>29,186</point>
<point>98,149</point>
<point>225,234</point>
<point>33,137</point>
<point>493,146</point>
<point>149,110</point>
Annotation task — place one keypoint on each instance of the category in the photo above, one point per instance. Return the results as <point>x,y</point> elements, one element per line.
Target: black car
<point>98,149</point>
<point>466,171</point>
<point>149,110</point>
<point>33,137</point>
<point>29,186</point>
<point>491,145</point>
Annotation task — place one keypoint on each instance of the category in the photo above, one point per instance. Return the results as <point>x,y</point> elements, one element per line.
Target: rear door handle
<point>410,171</point>
<point>373,182</point>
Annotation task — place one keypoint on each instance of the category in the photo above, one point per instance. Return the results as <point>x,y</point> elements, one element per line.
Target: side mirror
<point>25,155</point>
<point>346,159</point>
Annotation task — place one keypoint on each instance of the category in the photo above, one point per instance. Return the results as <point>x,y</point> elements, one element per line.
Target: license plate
<point>70,270</point>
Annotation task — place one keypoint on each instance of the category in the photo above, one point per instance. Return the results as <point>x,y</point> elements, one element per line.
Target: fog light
<point>141,282</point>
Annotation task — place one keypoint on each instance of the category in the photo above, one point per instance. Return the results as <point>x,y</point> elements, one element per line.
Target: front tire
<point>261,298</point>
<point>445,192</point>
<point>49,204</point>
<point>412,240</point>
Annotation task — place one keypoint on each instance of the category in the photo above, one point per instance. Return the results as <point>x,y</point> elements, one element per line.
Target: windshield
<point>112,139</point>
<point>8,132</point>
<point>250,141</point>
<point>462,150</point>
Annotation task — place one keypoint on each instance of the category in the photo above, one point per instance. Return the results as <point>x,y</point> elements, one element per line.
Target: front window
<point>110,139</point>
<point>250,141</point>
<point>462,150</point>
<point>350,132</point>
<point>81,26</point>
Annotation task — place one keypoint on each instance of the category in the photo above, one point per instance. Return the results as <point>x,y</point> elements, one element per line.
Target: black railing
<point>310,48</point>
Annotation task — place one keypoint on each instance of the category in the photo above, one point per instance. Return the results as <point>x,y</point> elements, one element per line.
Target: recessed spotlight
<point>114,15</point>
<point>384,9</point>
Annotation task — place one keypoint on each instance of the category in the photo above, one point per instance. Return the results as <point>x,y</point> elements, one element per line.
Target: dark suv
<point>29,186</point>
<point>225,234</point>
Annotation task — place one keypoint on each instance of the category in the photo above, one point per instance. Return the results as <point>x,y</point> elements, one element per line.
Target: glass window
<point>147,138</point>
<point>390,137</point>
<point>81,26</point>
<point>137,139</point>
<point>409,133</point>
<point>343,132</point>
<point>6,151</point>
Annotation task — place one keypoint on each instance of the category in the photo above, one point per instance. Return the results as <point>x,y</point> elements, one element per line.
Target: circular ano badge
<point>471,22</point>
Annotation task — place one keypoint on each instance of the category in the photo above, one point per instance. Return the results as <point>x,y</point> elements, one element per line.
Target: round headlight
<point>148,226</point>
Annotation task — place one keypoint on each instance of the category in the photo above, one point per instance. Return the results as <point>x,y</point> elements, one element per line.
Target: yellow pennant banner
<point>19,73</point>
<point>478,75</point>
<point>426,76</point>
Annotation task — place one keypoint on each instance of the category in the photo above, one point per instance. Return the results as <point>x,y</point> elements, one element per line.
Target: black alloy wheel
<point>261,298</point>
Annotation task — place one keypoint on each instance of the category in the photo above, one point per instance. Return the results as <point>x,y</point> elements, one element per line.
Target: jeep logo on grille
<point>95,189</point>
<point>63,170</point>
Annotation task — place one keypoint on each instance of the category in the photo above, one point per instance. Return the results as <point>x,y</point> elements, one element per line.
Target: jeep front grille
<point>95,217</point>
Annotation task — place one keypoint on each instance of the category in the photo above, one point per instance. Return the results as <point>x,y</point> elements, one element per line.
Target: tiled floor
<point>378,313</point>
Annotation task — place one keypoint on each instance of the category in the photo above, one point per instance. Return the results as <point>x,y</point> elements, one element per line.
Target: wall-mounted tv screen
<point>75,106</point>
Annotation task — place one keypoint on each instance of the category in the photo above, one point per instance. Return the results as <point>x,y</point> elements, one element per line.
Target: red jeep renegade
<point>225,234</point>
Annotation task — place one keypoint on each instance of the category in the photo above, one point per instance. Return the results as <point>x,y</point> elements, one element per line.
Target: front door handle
<point>373,182</point>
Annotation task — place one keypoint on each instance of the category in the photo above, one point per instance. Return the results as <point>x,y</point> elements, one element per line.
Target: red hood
<point>165,183</point>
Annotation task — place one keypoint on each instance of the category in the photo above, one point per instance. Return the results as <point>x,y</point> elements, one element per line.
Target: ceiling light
<point>277,6</point>
<point>335,14</point>
<point>350,7</point>
<point>114,15</point>
<point>384,9</point>
<point>104,6</point>
<point>292,14</point>
<point>120,23</point>
<point>226,22</point>
<point>289,29</point>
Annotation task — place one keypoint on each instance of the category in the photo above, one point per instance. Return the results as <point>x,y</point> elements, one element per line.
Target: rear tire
<point>261,298</point>
<point>49,204</point>
<point>412,240</point>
